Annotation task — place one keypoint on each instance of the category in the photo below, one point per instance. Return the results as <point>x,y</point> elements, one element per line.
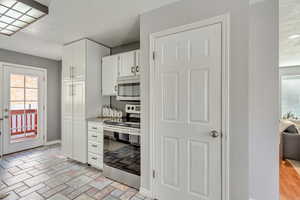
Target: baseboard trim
<point>53,142</point>
<point>145,192</point>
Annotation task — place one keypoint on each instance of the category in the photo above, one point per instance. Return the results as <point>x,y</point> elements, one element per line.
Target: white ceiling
<point>116,22</point>
<point>110,22</point>
<point>289,25</point>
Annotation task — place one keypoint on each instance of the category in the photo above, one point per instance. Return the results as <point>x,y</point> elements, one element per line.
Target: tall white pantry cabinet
<point>81,94</point>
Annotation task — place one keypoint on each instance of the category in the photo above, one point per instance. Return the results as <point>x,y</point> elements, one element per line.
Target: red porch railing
<point>23,122</point>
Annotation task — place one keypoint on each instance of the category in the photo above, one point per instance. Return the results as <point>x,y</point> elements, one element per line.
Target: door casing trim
<point>44,99</point>
<point>224,20</point>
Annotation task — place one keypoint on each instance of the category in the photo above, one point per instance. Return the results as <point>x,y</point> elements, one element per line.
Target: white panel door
<point>79,124</point>
<point>109,75</point>
<point>127,64</point>
<point>187,110</point>
<point>67,119</point>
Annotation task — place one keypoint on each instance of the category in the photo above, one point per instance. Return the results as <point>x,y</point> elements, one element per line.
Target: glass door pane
<point>23,107</point>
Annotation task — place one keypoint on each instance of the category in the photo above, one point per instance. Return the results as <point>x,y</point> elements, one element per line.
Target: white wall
<point>264,100</point>
<point>188,11</point>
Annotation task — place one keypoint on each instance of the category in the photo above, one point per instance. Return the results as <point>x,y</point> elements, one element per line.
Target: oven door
<point>122,152</point>
<point>128,90</point>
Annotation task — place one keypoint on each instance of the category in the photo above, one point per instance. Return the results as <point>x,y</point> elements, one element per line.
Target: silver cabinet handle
<point>95,128</point>
<point>94,158</point>
<point>70,90</point>
<point>133,70</point>
<point>94,145</point>
<point>71,72</point>
<point>94,136</point>
<point>214,134</point>
<point>73,90</point>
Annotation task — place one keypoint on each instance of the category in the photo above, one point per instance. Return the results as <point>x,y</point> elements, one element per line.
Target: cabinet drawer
<point>95,127</point>
<point>96,148</point>
<point>95,137</point>
<point>95,160</point>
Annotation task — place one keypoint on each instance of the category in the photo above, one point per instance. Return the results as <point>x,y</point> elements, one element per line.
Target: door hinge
<point>153,55</point>
<point>153,174</point>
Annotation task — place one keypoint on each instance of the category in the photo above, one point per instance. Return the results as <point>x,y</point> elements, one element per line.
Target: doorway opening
<point>289,75</point>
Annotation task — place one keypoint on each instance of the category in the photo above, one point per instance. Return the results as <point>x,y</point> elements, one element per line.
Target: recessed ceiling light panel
<point>294,36</point>
<point>18,14</point>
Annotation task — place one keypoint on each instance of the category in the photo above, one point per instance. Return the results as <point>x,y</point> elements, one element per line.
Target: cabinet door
<point>78,99</point>
<point>67,59</point>
<point>67,99</point>
<point>137,63</point>
<point>67,119</point>
<point>127,64</point>
<point>79,60</point>
<point>109,75</point>
<point>67,137</point>
<point>79,124</point>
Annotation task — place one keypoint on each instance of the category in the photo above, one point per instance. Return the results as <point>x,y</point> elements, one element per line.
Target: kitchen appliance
<point>122,148</point>
<point>128,88</point>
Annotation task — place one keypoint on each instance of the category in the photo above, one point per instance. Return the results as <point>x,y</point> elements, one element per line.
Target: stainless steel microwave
<point>128,89</point>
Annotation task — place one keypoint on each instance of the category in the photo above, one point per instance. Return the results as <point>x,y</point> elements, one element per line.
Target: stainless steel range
<point>122,148</point>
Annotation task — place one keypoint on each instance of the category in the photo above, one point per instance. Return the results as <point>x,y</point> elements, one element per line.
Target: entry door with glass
<point>24,103</point>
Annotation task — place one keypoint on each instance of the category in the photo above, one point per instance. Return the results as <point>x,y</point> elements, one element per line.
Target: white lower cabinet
<point>95,160</point>
<point>95,144</point>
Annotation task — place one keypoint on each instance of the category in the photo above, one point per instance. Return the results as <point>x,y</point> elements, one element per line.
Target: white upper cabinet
<point>67,62</point>
<point>127,64</point>
<point>122,65</point>
<point>109,75</point>
<point>79,58</point>
<point>74,61</point>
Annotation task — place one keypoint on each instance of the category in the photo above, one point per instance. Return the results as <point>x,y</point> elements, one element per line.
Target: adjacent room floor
<point>44,173</point>
<point>289,182</point>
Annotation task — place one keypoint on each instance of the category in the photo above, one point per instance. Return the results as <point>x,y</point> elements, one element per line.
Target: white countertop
<point>99,119</point>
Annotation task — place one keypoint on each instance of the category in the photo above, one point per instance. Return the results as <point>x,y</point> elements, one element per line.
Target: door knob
<point>214,134</point>
<point>6,117</point>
